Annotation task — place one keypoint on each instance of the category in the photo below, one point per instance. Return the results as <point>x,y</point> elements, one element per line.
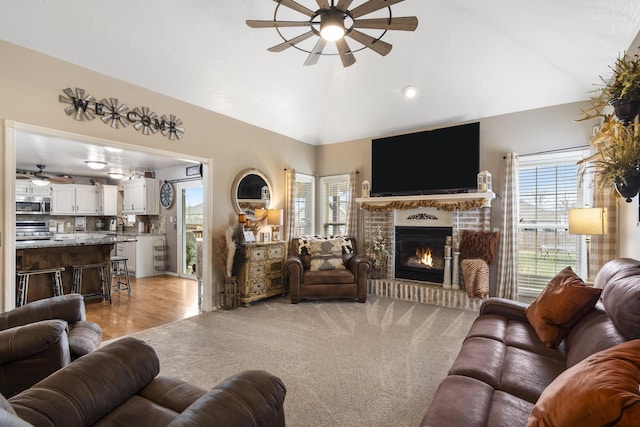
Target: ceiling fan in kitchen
<point>334,23</point>
<point>41,177</point>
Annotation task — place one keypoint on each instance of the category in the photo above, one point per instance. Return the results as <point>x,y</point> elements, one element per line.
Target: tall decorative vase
<point>230,293</point>
<point>629,187</point>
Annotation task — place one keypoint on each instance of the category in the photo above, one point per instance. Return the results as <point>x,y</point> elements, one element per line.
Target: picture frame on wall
<point>195,170</point>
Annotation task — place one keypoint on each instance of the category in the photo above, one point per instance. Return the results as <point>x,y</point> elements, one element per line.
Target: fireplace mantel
<point>461,201</point>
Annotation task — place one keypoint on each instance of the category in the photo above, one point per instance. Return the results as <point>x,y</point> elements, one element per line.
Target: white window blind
<point>304,204</point>
<point>549,187</point>
<point>334,203</point>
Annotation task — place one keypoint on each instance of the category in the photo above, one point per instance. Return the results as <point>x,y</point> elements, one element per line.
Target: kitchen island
<point>46,254</point>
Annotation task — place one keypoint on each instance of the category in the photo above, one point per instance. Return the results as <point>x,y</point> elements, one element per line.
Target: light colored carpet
<point>343,363</point>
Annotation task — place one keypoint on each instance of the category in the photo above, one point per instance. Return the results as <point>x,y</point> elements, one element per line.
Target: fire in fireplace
<point>419,253</point>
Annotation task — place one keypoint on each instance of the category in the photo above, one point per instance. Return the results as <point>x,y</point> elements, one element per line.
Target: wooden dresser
<point>262,275</point>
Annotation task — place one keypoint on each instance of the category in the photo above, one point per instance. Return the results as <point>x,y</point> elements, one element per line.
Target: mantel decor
<point>464,205</point>
<point>85,107</point>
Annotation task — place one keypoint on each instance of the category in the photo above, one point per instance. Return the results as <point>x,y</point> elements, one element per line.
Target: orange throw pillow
<point>559,306</point>
<point>602,390</point>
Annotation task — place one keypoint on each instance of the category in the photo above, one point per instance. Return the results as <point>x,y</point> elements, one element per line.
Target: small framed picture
<point>249,237</point>
<point>195,170</point>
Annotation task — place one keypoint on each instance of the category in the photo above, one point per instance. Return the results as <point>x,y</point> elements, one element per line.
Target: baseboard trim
<point>426,293</point>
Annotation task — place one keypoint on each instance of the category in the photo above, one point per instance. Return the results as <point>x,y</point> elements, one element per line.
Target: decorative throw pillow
<point>478,244</point>
<point>304,241</point>
<point>602,390</point>
<point>326,255</point>
<point>564,301</point>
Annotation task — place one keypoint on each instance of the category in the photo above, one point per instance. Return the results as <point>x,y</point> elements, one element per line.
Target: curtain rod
<point>558,150</point>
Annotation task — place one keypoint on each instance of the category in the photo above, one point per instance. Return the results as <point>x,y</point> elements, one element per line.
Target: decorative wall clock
<point>167,194</point>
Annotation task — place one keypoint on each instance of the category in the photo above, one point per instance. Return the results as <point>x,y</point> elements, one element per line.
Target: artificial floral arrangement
<point>377,249</point>
<point>616,158</point>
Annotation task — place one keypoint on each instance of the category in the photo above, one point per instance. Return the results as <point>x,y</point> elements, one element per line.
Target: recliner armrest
<point>504,307</point>
<point>28,340</point>
<point>254,398</point>
<point>91,387</point>
<point>359,266</point>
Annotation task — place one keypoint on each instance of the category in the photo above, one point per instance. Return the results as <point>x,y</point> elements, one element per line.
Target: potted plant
<point>623,90</point>
<point>616,160</point>
<point>377,249</point>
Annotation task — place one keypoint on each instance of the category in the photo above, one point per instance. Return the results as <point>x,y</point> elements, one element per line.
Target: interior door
<point>190,226</point>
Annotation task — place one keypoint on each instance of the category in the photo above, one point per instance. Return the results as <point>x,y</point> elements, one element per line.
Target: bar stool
<point>23,283</point>
<point>105,283</point>
<point>118,267</point>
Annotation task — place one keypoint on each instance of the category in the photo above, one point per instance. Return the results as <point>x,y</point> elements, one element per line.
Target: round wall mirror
<point>251,194</point>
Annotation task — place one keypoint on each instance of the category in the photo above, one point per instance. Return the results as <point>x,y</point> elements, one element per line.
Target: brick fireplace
<point>415,283</point>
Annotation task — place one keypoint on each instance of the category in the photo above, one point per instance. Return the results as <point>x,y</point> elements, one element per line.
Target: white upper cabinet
<point>141,196</point>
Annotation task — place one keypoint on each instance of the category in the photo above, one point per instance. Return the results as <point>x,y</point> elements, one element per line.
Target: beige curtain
<point>289,202</point>
<point>352,210</point>
<point>605,247</point>
<point>507,280</point>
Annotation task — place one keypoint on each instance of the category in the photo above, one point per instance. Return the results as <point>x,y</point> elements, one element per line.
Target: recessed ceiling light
<point>116,175</point>
<point>95,165</point>
<point>410,91</point>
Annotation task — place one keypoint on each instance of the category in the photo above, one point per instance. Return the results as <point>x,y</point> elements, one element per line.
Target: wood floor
<point>153,301</point>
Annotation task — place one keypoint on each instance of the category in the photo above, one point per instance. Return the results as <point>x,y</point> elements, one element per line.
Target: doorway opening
<point>191,226</point>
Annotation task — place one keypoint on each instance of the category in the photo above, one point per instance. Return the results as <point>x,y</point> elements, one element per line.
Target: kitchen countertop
<point>107,240</point>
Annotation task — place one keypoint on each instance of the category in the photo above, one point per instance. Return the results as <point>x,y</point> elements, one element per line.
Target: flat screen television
<point>445,160</point>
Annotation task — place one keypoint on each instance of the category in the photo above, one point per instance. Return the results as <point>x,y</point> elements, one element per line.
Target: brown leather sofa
<point>41,337</point>
<point>118,385</point>
<point>503,367</point>
<point>347,282</point>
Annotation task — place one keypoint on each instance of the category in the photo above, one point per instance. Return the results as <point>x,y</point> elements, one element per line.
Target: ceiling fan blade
<point>344,4</point>
<point>23,175</point>
<point>345,53</point>
<point>61,179</point>
<point>323,4</point>
<point>372,6</point>
<point>297,7</point>
<point>282,46</point>
<point>314,55</point>
<point>409,23</point>
<point>269,24</point>
<point>378,46</point>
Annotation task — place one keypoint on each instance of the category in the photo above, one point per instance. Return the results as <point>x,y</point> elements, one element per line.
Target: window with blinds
<point>334,205</point>
<point>549,185</point>
<point>304,204</point>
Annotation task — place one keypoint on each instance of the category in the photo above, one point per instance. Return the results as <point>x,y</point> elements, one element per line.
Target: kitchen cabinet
<point>79,199</point>
<point>141,196</point>
<point>262,274</point>
<point>140,254</point>
<point>24,187</point>
<point>107,200</point>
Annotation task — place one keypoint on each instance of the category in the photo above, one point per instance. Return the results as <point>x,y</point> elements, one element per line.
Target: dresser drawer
<point>258,254</point>
<point>276,252</point>
<point>274,267</point>
<point>257,270</point>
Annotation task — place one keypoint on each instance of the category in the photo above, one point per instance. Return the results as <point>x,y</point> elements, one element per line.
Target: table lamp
<point>587,222</point>
<point>274,219</point>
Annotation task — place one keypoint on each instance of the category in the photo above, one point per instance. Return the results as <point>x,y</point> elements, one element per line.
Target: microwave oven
<point>28,205</point>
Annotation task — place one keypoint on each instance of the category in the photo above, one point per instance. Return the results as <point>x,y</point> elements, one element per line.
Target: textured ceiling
<point>469,59</point>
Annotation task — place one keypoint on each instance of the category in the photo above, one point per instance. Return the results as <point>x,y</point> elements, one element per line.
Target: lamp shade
<point>260,213</point>
<point>274,217</point>
<point>588,221</point>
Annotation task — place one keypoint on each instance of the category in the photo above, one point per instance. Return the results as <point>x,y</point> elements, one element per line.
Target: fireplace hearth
<point>419,253</point>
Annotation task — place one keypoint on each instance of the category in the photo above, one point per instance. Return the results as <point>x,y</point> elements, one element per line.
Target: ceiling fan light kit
<point>95,165</point>
<point>40,181</point>
<point>334,23</point>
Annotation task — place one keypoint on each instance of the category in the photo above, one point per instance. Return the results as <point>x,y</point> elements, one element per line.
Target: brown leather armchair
<point>119,385</point>
<point>41,337</point>
<point>349,282</point>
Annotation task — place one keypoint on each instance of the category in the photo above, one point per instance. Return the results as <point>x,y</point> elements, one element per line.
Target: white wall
<point>629,230</point>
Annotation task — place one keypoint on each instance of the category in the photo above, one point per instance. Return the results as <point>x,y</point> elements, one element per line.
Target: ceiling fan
<point>334,22</point>
<point>42,177</point>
